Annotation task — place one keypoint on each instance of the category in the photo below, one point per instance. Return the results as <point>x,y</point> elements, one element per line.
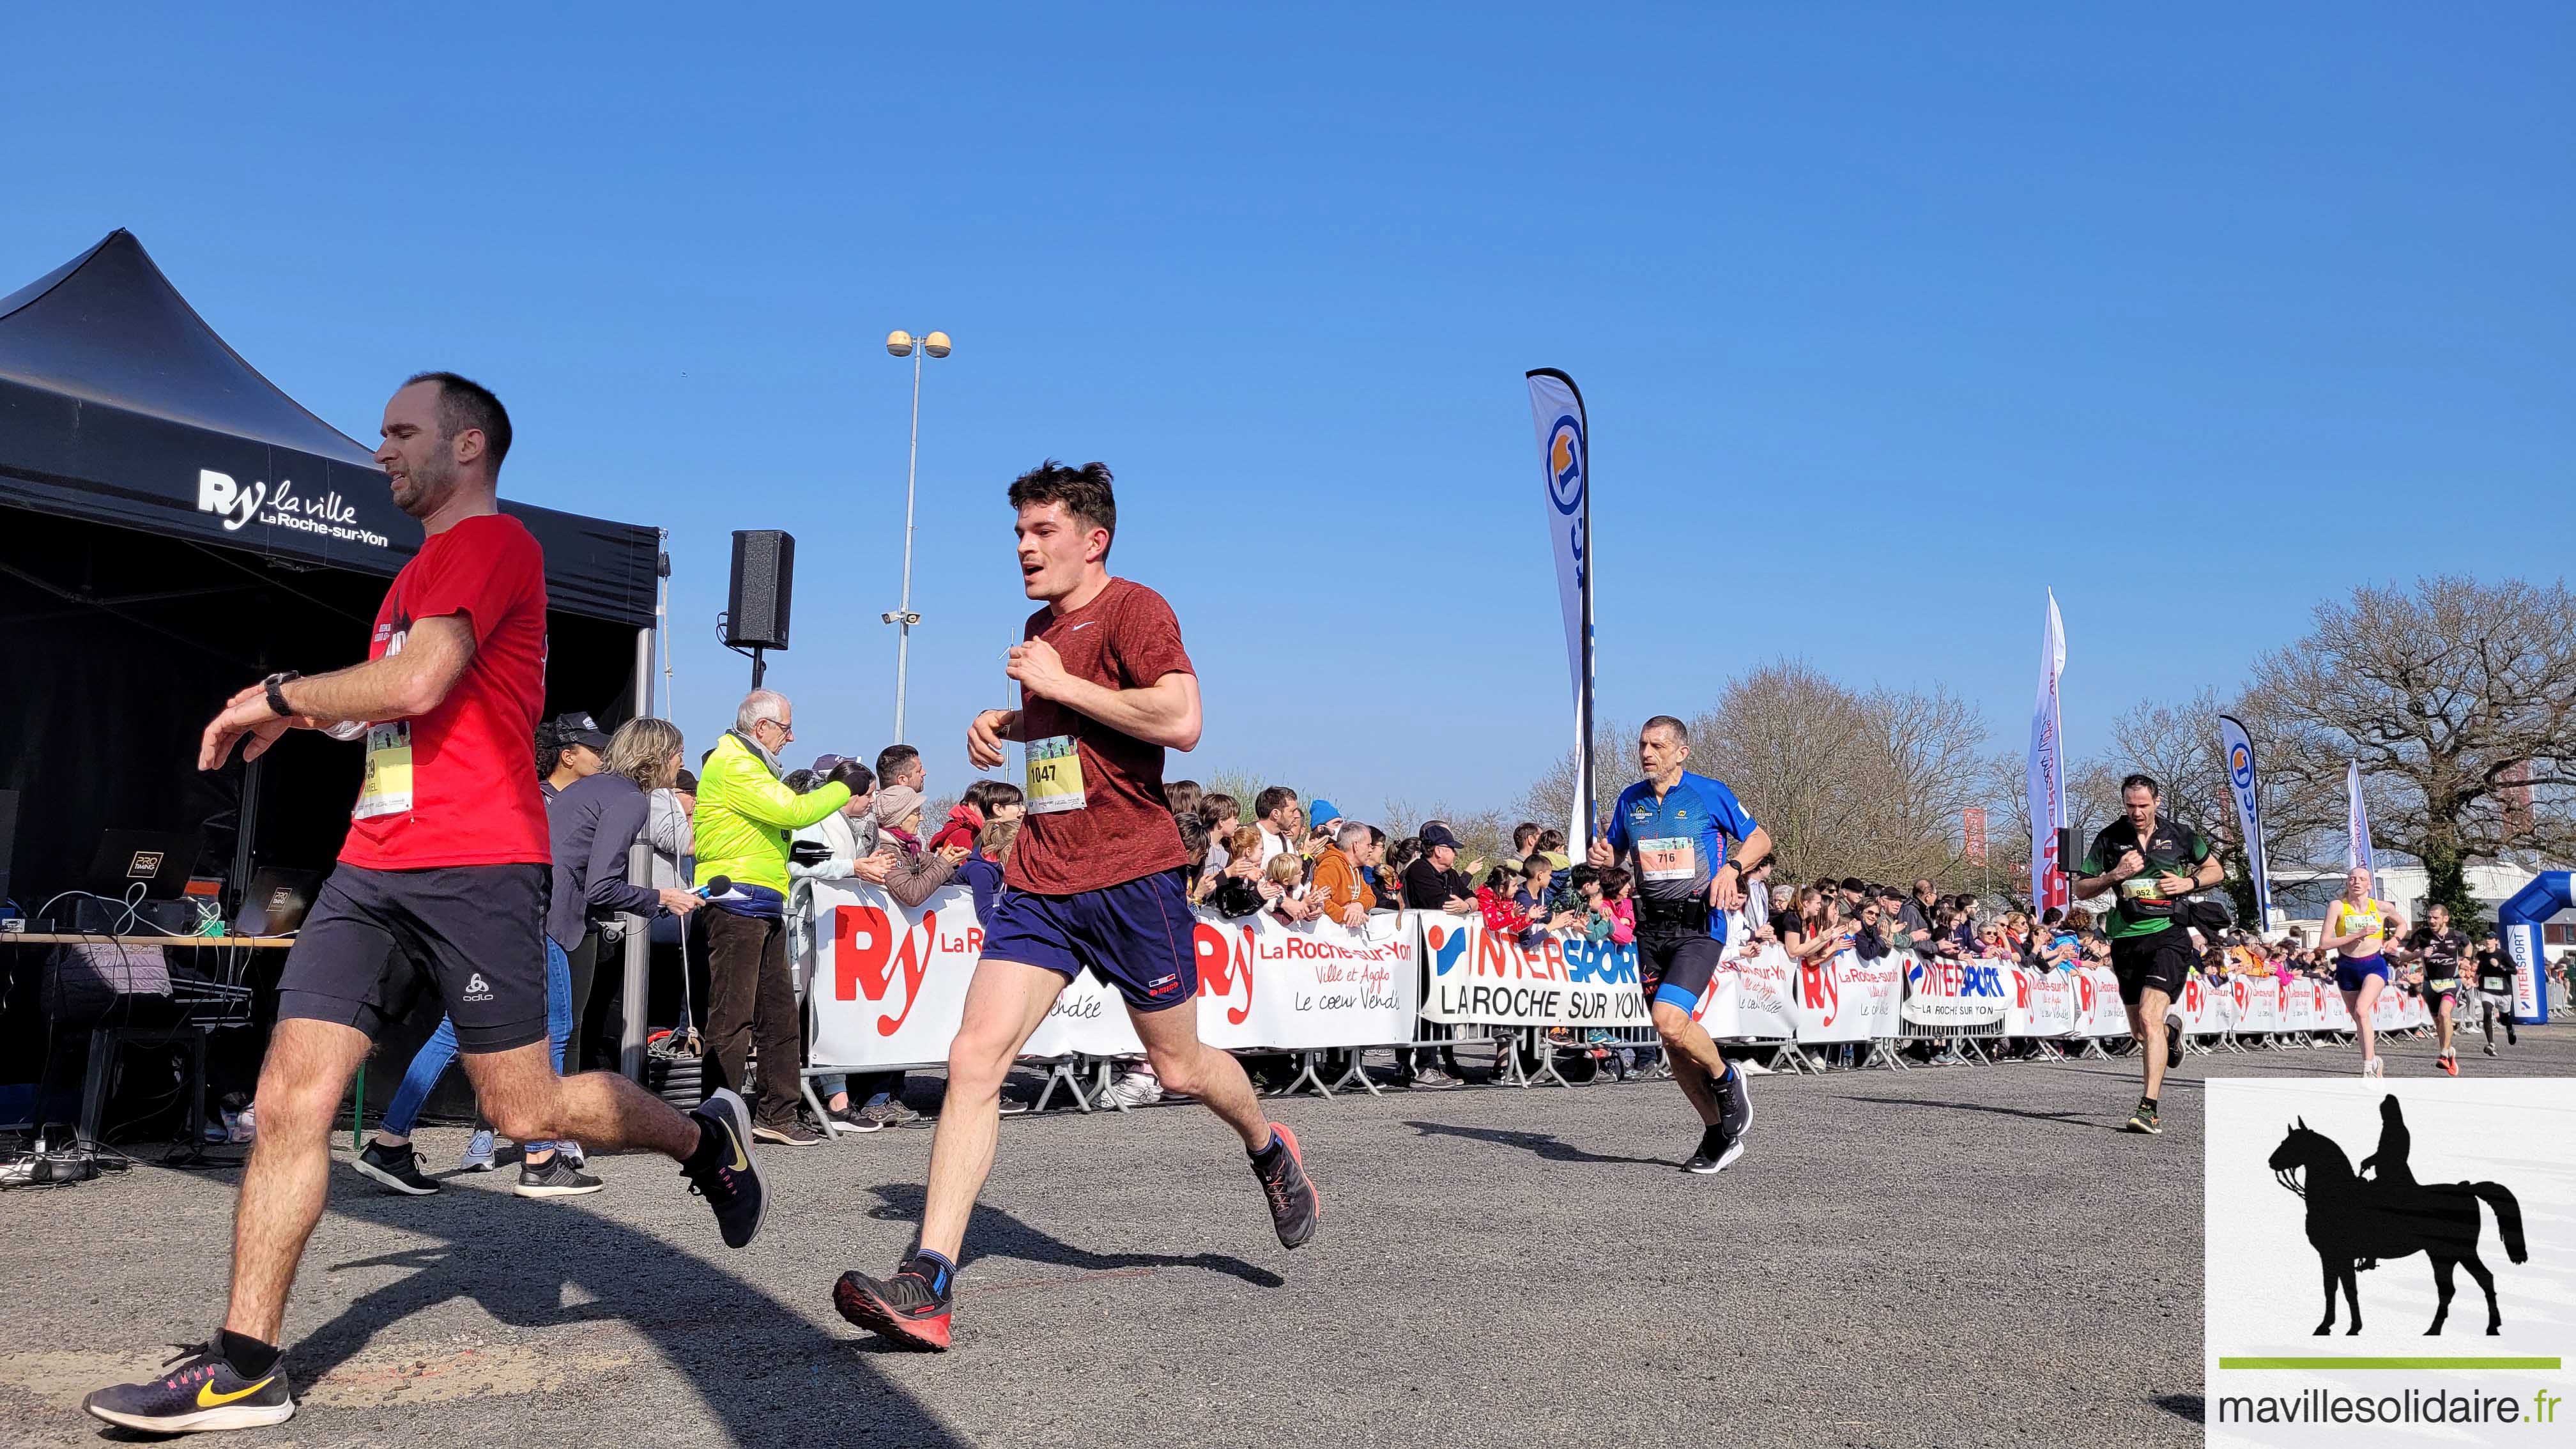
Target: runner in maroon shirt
<point>1095,883</point>
<point>441,887</point>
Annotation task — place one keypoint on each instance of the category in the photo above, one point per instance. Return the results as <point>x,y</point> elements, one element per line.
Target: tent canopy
<point>119,405</point>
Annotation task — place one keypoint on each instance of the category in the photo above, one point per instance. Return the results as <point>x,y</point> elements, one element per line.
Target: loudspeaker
<point>764,568</point>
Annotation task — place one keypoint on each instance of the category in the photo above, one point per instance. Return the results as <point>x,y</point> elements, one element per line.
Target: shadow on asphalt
<point>1540,1144</point>
<point>993,1233</point>
<point>2181,1406</point>
<point>746,1354</point>
<point>2091,1120</point>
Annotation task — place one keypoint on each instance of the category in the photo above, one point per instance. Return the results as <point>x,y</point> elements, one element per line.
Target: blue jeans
<point>435,1053</point>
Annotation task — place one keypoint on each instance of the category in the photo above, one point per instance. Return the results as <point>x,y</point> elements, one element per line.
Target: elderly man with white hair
<point>746,820</point>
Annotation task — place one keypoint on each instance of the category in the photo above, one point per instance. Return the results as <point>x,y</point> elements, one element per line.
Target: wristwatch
<point>277,696</point>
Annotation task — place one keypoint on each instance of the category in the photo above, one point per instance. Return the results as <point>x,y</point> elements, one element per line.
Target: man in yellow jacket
<point>746,820</point>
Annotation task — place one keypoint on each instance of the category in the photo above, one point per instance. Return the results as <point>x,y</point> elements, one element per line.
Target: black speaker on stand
<point>756,602</point>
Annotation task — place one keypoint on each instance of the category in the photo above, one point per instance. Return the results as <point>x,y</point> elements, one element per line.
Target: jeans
<point>435,1053</point>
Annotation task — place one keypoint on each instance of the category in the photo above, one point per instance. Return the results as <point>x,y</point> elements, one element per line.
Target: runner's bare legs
<point>308,1068</point>
<point>1005,1002</point>
<point>1696,1061</point>
<point>1194,1069</point>
<point>2147,1023</point>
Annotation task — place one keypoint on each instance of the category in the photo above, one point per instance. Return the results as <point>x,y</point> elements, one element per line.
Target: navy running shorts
<point>376,939</point>
<point>1675,964</point>
<point>1135,935</point>
<point>2351,971</point>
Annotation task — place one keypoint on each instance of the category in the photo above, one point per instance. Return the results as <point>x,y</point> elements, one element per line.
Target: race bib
<point>1055,776</point>
<point>1670,858</point>
<point>387,789</point>
<point>2496,985</point>
<point>2140,895</point>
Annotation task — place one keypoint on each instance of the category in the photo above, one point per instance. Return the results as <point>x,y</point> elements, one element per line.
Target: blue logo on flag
<point>1567,462</point>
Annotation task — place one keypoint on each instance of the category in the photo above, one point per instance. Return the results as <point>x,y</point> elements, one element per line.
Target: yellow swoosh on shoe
<point>207,1398</point>
<point>741,1159</point>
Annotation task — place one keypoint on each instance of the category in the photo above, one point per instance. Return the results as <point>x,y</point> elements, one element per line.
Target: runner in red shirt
<point>441,886</point>
<point>1095,883</point>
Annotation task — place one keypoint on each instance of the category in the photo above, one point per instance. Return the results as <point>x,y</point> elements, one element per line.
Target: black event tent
<point>172,526</point>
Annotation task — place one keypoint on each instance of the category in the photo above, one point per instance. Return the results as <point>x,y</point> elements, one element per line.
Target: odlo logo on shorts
<point>477,989</point>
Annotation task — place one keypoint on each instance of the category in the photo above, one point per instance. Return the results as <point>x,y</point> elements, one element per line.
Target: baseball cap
<point>826,764</point>
<point>580,729</point>
<point>1436,834</point>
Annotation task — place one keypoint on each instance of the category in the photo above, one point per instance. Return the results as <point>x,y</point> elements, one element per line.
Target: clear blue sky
<point>1888,316</point>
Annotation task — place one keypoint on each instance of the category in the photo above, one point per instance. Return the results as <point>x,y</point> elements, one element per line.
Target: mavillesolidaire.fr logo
<point>2389,1262</point>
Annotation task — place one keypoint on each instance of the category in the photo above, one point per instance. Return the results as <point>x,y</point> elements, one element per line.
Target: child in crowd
<point>1494,901</point>
<point>1223,817</point>
<point>1283,885</point>
<point>1236,890</point>
<point>982,871</point>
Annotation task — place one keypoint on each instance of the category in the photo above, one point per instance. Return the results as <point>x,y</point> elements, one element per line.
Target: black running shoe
<point>730,1184</point>
<point>910,1308</point>
<point>198,1389</point>
<point>2173,1044</point>
<point>786,1132</point>
<point>1717,1152</point>
<point>555,1177</point>
<point>1294,1203</point>
<point>396,1167</point>
<point>2144,1120</point>
<point>1734,1106</point>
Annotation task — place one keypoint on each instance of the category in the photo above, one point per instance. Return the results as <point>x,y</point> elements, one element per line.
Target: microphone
<point>715,886</point>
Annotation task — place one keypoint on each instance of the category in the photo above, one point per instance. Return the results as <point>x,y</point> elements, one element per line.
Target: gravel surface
<point>1938,1257</point>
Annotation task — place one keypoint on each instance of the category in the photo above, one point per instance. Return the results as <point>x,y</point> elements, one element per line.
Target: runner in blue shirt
<point>1673,826</point>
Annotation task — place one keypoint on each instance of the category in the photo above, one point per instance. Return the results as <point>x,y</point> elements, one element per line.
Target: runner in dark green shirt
<point>2152,861</point>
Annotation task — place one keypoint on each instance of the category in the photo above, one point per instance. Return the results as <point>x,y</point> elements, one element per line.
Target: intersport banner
<point>2042,1004</point>
<point>1565,467</point>
<point>2047,770</point>
<point>890,983</point>
<point>1844,998</point>
<point>1474,976</point>
<point>2098,1012</point>
<point>1947,994</point>
<point>2236,747</point>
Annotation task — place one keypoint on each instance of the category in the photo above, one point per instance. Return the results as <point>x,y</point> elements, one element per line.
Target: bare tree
<point>2459,701</point>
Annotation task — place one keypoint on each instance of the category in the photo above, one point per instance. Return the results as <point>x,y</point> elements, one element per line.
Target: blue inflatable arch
<point>2518,921</point>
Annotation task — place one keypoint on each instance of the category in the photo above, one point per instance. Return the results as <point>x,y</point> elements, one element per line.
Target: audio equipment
<point>756,603</point>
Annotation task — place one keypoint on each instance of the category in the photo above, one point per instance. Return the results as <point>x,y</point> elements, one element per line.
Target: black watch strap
<point>276,695</point>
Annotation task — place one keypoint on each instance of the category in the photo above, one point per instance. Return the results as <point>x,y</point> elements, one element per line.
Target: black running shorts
<point>1675,964</point>
<point>376,939</point>
<point>2156,962</point>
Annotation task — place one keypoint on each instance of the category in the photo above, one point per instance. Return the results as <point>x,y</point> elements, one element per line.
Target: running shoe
<point>2173,1043</point>
<point>478,1152</point>
<point>1716,1153</point>
<point>1294,1203</point>
<point>909,1309</point>
<point>571,1151</point>
<point>1734,1106</point>
<point>2491,1051</point>
<point>729,1183</point>
<point>1432,1079</point>
<point>2371,1068</point>
<point>396,1167</point>
<point>1136,1089</point>
<point>2144,1120</point>
<point>198,1389</point>
<point>555,1177</point>
<point>2509,1038</point>
<point>891,1113</point>
<point>2449,1062</point>
<point>851,1119</point>
<point>786,1132</point>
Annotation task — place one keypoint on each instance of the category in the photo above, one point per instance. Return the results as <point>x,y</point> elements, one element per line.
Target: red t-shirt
<point>1096,816</point>
<point>458,785</point>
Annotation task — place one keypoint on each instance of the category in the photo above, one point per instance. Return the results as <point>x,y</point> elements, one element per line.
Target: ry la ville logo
<point>281,506</point>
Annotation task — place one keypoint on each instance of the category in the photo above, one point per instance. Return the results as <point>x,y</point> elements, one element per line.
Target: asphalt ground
<point>1945,1256</point>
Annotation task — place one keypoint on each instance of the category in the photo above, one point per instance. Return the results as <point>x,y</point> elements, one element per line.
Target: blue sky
<point>1887,316</point>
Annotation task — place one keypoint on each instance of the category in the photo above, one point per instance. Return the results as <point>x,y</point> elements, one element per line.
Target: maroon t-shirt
<point>1096,815</point>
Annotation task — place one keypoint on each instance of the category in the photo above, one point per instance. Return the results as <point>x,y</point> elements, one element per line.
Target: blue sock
<point>1270,1154</point>
<point>932,1266</point>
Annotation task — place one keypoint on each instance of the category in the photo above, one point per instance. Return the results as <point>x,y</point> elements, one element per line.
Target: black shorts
<point>1675,964</point>
<point>2152,963</point>
<point>376,938</point>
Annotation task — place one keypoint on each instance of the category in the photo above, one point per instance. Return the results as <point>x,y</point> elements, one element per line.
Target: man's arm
<point>397,686</point>
<point>1165,712</point>
<point>1725,892</point>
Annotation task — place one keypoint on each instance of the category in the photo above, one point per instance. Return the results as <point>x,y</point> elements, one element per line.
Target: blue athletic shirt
<point>1678,843</point>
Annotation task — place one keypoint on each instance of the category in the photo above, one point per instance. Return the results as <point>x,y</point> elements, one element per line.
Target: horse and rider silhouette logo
<point>2360,1219</point>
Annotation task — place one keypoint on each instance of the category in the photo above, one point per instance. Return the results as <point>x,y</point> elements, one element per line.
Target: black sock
<point>2147,1102</point>
<point>710,1149</point>
<point>1267,1156</point>
<point>934,1268</point>
<point>249,1357</point>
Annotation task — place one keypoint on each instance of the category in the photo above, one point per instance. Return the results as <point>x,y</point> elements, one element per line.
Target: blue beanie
<point>1320,811</point>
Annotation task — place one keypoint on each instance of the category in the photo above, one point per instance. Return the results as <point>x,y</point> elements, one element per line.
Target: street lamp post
<point>902,344</point>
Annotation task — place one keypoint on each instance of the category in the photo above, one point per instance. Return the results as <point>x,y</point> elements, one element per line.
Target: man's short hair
<point>1551,840</point>
<point>1221,811</point>
<point>464,403</point>
<point>1680,731</point>
<point>1267,803</point>
<point>1084,492</point>
<point>2141,782</point>
<point>1525,836</point>
<point>756,706</point>
<point>893,758</point>
<point>1351,835</point>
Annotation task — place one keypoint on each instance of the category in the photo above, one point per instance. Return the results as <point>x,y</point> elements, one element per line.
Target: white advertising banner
<point>2097,1003</point>
<point>890,983</point>
<point>2236,747</point>
<point>2206,1009</point>
<point>1940,992</point>
<point>1477,976</point>
<point>2298,1004</point>
<point>1844,998</point>
<point>1565,468</point>
<point>2042,1004</point>
<point>2047,770</point>
<point>1748,1000</point>
<point>2257,1000</point>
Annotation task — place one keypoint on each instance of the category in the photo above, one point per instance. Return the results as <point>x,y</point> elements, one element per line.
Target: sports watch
<point>277,696</point>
